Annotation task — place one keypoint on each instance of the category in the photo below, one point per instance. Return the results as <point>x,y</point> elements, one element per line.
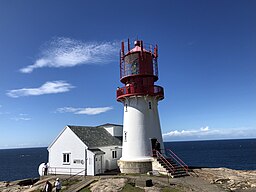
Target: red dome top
<point>137,47</point>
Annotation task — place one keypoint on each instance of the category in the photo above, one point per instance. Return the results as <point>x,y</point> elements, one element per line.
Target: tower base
<point>134,166</point>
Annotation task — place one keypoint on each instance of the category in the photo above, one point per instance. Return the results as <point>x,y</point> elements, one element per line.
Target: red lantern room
<point>139,71</point>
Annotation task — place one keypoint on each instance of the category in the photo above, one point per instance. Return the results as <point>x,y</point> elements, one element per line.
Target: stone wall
<point>134,167</point>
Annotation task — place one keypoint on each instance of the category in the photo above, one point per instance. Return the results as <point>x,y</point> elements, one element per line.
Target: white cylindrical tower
<point>141,126</point>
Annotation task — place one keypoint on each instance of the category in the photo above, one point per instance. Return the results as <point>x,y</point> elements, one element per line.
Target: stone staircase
<point>175,170</point>
<point>172,166</point>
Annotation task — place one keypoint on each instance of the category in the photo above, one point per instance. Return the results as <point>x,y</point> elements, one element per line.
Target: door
<point>98,164</point>
<point>153,145</point>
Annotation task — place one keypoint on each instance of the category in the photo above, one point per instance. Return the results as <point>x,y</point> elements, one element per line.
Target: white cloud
<point>21,118</point>
<point>207,133</point>
<point>23,114</point>
<point>46,88</point>
<point>204,129</point>
<point>201,131</point>
<point>84,111</point>
<point>68,109</point>
<point>66,52</point>
<point>93,111</point>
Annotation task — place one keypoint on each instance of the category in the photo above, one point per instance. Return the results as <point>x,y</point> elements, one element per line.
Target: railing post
<point>169,165</point>
<point>178,160</point>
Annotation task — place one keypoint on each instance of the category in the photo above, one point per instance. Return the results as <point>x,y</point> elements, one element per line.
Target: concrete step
<point>174,169</point>
<point>179,175</point>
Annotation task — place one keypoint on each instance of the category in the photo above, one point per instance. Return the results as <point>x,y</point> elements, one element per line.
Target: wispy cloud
<point>84,111</point>
<point>66,52</point>
<point>207,133</point>
<point>201,131</point>
<point>21,117</point>
<point>23,114</point>
<point>47,88</point>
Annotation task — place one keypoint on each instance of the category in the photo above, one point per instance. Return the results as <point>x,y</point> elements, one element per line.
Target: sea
<point>18,164</point>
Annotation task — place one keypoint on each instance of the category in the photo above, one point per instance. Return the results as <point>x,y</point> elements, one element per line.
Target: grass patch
<point>69,182</point>
<point>85,190</point>
<point>128,187</point>
<point>167,189</point>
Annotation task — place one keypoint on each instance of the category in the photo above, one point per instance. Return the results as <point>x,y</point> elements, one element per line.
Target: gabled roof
<point>109,125</point>
<point>97,151</point>
<point>95,136</point>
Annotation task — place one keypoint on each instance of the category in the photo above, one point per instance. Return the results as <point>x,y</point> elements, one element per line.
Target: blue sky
<point>60,65</point>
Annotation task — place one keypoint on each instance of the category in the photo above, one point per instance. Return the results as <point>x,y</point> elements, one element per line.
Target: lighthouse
<point>139,96</point>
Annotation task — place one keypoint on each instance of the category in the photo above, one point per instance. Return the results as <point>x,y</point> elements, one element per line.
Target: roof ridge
<point>87,126</point>
<point>109,124</point>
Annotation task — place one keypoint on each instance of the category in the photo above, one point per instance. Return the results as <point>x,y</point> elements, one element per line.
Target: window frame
<point>66,158</point>
<point>114,154</point>
<point>126,107</point>
<point>149,105</point>
<point>125,136</point>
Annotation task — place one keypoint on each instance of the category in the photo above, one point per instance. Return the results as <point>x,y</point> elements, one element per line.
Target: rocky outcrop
<point>108,185</point>
<point>203,180</point>
<point>233,180</point>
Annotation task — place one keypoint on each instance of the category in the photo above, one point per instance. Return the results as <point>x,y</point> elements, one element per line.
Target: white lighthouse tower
<point>141,126</point>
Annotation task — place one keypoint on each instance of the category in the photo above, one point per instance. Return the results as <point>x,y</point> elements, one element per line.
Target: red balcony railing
<point>131,90</point>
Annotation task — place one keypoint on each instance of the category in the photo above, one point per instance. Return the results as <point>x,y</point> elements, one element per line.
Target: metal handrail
<point>178,160</point>
<point>76,174</point>
<point>167,163</point>
<point>64,170</point>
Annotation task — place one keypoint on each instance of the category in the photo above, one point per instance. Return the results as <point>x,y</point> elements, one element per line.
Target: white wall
<point>155,127</point>
<point>110,130</point>
<point>115,130</point>
<point>140,125</point>
<point>118,131</point>
<point>109,163</point>
<point>67,142</point>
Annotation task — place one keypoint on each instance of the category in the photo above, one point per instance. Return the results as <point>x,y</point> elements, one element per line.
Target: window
<point>114,154</point>
<point>66,158</point>
<point>125,136</point>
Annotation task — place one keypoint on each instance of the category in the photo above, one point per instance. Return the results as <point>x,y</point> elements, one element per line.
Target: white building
<point>85,150</point>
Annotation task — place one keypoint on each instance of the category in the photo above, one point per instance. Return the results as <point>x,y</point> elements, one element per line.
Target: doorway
<point>98,164</point>
<point>156,148</point>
